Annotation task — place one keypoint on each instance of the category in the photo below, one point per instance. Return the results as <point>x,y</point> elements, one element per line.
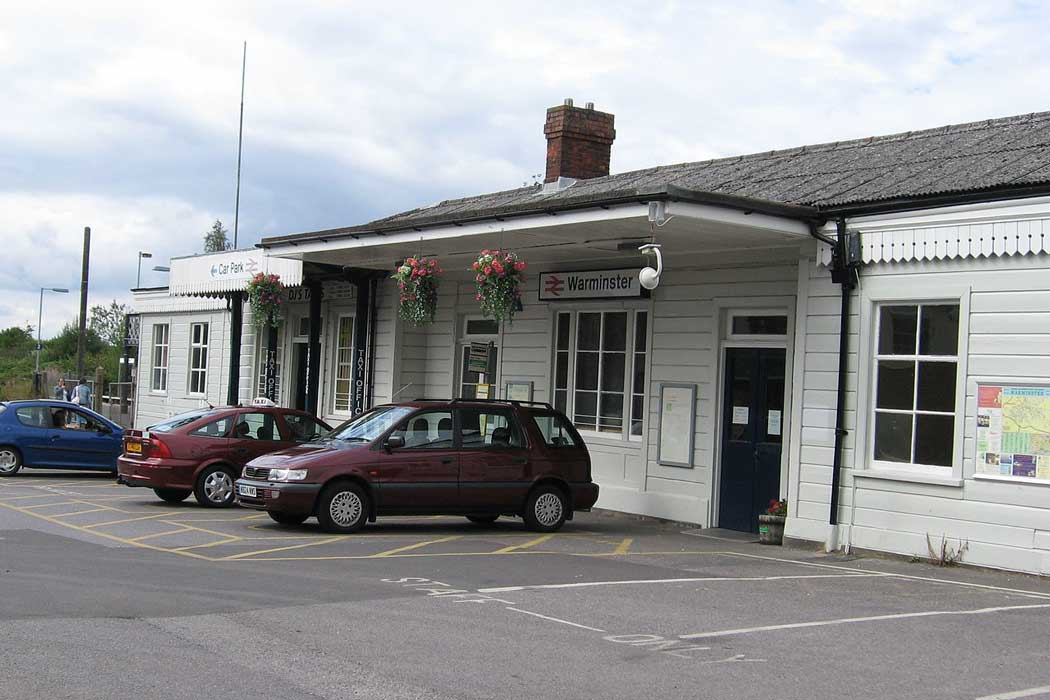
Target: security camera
<point>647,276</point>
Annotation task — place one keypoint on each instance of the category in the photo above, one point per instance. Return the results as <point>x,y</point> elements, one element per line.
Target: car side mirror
<point>393,442</point>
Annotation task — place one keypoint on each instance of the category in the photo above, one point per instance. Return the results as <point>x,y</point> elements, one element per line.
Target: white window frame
<point>889,291</point>
<point>336,364</point>
<point>632,311</point>
<point>155,366</point>
<point>201,371</point>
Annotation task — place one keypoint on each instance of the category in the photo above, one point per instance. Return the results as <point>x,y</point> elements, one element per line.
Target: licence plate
<point>244,490</point>
<point>135,447</point>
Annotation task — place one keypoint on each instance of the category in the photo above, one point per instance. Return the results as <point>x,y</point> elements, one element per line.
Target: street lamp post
<point>40,319</point>
<point>138,275</point>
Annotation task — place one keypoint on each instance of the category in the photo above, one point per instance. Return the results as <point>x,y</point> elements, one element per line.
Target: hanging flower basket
<point>417,283</point>
<point>499,276</point>
<point>265,296</point>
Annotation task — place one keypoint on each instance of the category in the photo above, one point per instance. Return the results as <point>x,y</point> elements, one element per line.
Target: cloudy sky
<point>123,116</point>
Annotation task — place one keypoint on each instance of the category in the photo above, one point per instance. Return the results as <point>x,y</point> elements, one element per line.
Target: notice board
<point>677,425</point>
<point>1013,431</point>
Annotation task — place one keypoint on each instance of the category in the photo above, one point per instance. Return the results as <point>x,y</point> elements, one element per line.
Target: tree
<point>216,240</point>
<point>107,322</point>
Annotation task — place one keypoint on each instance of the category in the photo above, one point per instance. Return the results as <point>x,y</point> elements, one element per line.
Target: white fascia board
<point>735,217</point>
<point>523,223</point>
<point>979,212</point>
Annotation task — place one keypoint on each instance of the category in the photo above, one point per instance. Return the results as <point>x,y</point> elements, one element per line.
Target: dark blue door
<point>752,427</point>
<point>82,442</point>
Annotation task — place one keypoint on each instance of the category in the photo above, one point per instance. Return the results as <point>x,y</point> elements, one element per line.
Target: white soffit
<point>229,271</point>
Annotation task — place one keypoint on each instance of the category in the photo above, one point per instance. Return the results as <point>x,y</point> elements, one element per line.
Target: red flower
<point>488,270</point>
<point>475,265</point>
<point>519,266</point>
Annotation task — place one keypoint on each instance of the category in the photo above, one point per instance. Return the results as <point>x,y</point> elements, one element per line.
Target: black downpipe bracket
<point>233,387</point>
<point>844,273</point>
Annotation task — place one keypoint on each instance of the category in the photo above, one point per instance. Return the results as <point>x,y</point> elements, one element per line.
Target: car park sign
<point>591,284</point>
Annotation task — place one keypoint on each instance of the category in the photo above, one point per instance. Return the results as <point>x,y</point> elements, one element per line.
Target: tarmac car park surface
<point>109,593</point>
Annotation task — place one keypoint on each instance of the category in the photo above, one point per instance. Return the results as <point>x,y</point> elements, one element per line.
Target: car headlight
<point>287,474</point>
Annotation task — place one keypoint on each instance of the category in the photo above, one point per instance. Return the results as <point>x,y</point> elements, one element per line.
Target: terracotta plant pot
<point>771,529</point>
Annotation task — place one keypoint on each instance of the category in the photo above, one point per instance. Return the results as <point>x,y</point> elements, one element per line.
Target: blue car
<point>56,435</point>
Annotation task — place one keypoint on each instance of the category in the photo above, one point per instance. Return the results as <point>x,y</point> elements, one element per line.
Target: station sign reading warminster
<point>590,284</point>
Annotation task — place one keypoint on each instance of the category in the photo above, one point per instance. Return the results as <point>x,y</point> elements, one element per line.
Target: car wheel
<point>10,461</point>
<point>545,508</point>
<point>287,518</point>
<point>343,508</point>
<point>482,519</point>
<point>172,495</point>
<point>214,488</point>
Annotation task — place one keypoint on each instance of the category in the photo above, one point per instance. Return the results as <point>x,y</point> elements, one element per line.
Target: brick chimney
<point>578,142</point>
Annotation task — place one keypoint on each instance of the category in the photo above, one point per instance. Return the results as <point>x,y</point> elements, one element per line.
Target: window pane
<point>611,416</point>
<point>588,331</point>
<point>561,399</point>
<point>896,385</point>
<point>482,327</point>
<point>612,371</point>
<point>936,386</point>
<point>940,330</point>
<point>488,428</point>
<point>586,408</point>
<point>615,336</point>
<point>561,373</point>
<point>563,331</point>
<point>897,330</point>
<point>760,325</point>
<point>637,417</point>
<point>639,374</point>
<point>934,440</point>
<point>431,430</point>
<point>256,426</point>
<point>641,320</point>
<point>893,437</point>
<point>587,370</point>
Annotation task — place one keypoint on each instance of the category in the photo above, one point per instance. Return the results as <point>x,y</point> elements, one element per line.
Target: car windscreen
<point>368,426</point>
<point>180,420</point>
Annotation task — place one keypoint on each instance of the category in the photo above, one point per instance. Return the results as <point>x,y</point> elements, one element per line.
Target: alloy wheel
<point>548,509</point>
<point>218,486</point>
<point>8,461</point>
<point>345,509</point>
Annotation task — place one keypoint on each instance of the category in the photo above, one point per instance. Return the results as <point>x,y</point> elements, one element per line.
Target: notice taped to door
<point>1013,431</point>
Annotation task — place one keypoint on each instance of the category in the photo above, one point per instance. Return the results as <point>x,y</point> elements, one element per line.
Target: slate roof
<point>1011,153</point>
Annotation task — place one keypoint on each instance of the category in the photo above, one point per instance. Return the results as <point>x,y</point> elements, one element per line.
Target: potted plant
<point>265,296</point>
<point>771,523</point>
<point>499,276</point>
<point>417,285</point>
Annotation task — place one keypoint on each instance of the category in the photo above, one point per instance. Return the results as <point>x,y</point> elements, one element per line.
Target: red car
<point>480,459</point>
<point>202,452</point>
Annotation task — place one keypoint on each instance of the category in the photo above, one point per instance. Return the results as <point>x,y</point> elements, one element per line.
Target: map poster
<point>1013,431</point>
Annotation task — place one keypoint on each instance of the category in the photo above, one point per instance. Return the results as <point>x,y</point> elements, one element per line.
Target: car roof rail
<point>513,402</point>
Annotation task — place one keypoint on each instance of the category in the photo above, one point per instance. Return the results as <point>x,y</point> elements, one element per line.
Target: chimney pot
<point>579,142</point>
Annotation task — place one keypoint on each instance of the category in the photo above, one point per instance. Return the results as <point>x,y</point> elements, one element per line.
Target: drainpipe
<point>844,273</point>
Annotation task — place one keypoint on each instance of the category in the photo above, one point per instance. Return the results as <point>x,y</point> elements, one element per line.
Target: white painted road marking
<point>1031,692</point>
<point>852,620</point>
<point>555,619</point>
<point>702,579</point>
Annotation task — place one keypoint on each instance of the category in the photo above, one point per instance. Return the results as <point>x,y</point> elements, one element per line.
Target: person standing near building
<point>60,391</point>
<point>81,394</point>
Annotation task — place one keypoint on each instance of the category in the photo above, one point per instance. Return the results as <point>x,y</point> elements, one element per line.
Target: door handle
<point>520,460</point>
<point>55,437</point>
<point>447,460</point>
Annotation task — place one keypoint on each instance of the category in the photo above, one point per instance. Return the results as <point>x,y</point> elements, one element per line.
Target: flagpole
<point>240,134</point>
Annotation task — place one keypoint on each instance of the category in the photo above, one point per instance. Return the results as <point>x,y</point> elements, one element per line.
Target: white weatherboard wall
<point>1004,338</point>
<point>685,346</point>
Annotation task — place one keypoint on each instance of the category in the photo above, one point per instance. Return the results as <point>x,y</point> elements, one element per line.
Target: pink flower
<point>519,266</point>
<point>485,252</point>
<point>477,297</point>
<point>488,270</point>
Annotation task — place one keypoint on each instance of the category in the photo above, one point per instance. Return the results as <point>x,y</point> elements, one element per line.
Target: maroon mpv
<point>201,452</point>
<point>481,459</point>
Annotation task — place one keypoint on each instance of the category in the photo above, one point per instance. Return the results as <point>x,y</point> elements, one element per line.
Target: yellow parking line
<point>130,520</point>
<point>525,545</point>
<point>624,546</point>
<point>282,549</point>
<point>48,505</point>
<point>206,544</point>
<point>36,495</point>
<point>463,554</point>
<point>106,535</point>
<point>79,512</point>
<point>417,545</point>
<point>159,534</point>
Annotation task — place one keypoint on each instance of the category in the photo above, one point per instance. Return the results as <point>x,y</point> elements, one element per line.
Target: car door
<point>494,469</point>
<point>33,435</point>
<point>80,441</point>
<point>254,434</point>
<point>422,475</point>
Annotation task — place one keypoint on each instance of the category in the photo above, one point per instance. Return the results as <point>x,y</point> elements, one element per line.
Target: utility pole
<point>240,134</point>
<point>83,302</point>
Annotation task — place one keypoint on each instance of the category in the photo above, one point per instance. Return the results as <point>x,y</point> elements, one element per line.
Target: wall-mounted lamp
<point>648,277</point>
